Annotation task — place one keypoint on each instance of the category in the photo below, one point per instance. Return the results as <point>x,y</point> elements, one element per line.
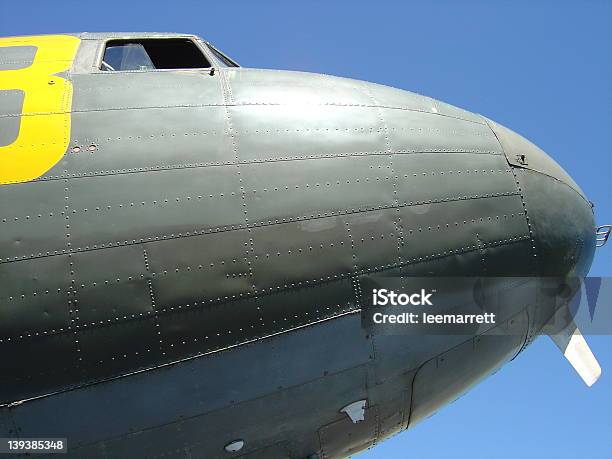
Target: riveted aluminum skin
<point>192,270</point>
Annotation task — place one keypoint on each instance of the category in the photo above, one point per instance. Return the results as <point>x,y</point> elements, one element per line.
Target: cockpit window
<point>222,57</point>
<point>153,54</point>
<point>130,56</point>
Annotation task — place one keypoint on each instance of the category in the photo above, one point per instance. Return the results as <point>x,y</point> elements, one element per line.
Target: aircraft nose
<point>559,216</point>
<point>561,222</point>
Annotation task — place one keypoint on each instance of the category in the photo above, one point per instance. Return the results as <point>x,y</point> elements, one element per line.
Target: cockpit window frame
<point>214,50</point>
<point>195,40</point>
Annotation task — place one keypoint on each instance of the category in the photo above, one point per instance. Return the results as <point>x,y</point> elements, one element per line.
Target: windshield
<point>228,62</point>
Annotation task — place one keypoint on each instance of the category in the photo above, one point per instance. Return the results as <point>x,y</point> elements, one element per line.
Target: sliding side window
<point>153,54</point>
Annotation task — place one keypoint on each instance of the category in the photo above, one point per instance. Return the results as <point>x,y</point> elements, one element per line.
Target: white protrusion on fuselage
<point>355,411</point>
<point>579,355</point>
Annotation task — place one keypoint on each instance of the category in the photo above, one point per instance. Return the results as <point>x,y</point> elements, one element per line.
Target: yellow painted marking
<point>44,132</point>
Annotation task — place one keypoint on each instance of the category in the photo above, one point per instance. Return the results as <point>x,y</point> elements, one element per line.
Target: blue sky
<point>543,68</point>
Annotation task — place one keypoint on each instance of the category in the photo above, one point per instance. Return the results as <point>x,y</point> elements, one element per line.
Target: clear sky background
<point>543,68</point>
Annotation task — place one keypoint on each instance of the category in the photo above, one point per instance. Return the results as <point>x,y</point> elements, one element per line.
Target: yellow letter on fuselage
<point>44,131</point>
